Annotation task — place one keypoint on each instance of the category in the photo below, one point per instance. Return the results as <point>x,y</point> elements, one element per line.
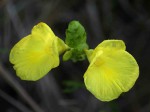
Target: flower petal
<point>113,44</point>
<point>109,45</point>
<point>43,31</point>
<point>111,73</point>
<point>36,54</point>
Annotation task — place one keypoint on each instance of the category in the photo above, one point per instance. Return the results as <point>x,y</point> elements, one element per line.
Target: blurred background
<point>63,90</point>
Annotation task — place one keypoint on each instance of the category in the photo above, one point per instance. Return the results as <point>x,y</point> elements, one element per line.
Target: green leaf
<point>71,86</point>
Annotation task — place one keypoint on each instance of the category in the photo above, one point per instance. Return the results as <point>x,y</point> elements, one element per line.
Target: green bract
<point>76,40</point>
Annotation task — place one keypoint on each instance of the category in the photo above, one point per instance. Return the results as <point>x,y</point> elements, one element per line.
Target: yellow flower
<point>36,54</point>
<point>112,70</point>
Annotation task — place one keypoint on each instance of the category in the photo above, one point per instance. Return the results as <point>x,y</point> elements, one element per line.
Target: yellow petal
<point>36,54</point>
<point>113,44</point>
<point>110,45</point>
<point>89,54</point>
<point>43,31</point>
<point>110,73</point>
<point>62,47</point>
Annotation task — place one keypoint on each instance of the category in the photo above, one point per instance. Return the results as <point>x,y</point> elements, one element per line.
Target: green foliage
<point>76,40</point>
<point>71,86</point>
